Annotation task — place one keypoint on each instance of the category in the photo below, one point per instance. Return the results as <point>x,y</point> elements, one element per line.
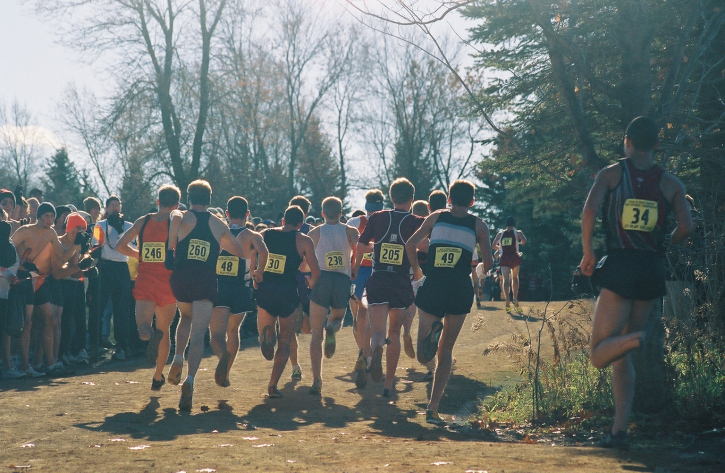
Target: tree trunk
<point>651,391</point>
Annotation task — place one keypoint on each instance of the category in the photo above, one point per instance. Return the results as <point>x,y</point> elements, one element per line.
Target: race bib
<point>447,256</point>
<point>153,252</point>
<point>367,257</point>
<point>639,215</point>
<point>390,253</point>
<point>227,266</point>
<point>333,260</point>
<point>198,250</point>
<point>508,241</point>
<point>275,263</point>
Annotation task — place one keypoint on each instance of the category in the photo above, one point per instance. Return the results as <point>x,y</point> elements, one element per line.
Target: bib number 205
<point>390,253</point>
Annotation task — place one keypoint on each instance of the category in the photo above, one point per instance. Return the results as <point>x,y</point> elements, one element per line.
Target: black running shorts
<point>194,284</point>
<point>633,274</point>
<point>389,288</point>
<point>279,300</point>
<point>441,296</point>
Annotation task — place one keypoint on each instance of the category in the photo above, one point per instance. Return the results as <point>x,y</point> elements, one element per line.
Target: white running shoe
<point>13,373</point>
<point>32,373</point>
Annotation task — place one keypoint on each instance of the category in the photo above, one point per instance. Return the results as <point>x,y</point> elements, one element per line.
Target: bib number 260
<point>198,250</point>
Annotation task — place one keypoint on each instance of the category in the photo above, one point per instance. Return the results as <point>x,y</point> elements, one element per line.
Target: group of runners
<point>419,257</point>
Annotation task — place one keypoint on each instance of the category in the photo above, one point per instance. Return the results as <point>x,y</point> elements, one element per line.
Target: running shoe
<point>428,376</point>
<point>388,392</point>
<point>432,417</point>
<point>175,373</point>
<point>429,345</point>
<point>187,395</point>
<point>508,309</point>
<point>408,345</point>
<point>152,350</point>
<point>83,355</point>
<point>296,373</point>
<point>619,441</point>
<point>330,343</point>
<point>316,388</point>
<point>220,374</point>
<point>54,372</point>
<point>32,373</point>
<point>376,365</point>
<point>273,392</point>
<point>156,385</point>
<point>13,373</point>
<point>361,368</point>
<point>119,355</point>
<point>267,342</point>
<point>65,369</point>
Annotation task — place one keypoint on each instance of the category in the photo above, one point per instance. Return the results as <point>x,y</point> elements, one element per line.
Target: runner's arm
<point>420,234</point>
<point>128,236</point>
<point>260,248</point>
<point>308,249</point>
<point>681,209</point>
<point>521,237</point>
<point>484,242</point>
<point>228,241</point>
<point>589,217</point>
<point>174,227</point>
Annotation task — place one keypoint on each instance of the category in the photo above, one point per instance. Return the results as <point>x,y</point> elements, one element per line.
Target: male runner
<point>637,195</point>
<point>196,239</point>
<point>235,277</point>
<point>302,316</point>
<point>389,290</point>
<point>277,296</point>
<point>374,202</point>
<point>445,297</point>
<point>152,290</point>
<point>334,243</point>
<point>507,244</point>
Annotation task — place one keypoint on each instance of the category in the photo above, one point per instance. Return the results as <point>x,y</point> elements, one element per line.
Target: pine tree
<point>63,181</point>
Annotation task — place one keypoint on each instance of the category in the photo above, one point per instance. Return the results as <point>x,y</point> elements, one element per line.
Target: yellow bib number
<point>227,266</point>
<point>447,256</point>
<point>367,257</point>
<point>508,241</point>
<point>390,253</point>
<point>275,263</point>
<point>333,260</point>
<point>198,250</point>
<point>153,252</point>
<point>639,215</point>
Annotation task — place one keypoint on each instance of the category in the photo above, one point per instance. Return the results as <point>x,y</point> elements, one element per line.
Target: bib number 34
<point>639,215</point>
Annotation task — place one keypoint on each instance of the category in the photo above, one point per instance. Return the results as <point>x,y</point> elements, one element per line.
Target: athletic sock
<point>178,359</point>
<point>189,380</point>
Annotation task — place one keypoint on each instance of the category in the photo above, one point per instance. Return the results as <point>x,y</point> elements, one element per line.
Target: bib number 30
<point>198,250</point>
<point>447,256</point>
<point>639,215</point>
<point>275,263</point>
<point>390,253</point>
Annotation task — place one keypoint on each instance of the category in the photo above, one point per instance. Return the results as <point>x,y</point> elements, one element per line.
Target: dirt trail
<point>106,419</point>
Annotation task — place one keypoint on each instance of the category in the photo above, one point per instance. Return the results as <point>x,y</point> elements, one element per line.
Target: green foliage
<point>64,184</point>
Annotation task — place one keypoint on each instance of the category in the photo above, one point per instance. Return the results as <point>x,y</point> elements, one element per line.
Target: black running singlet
<point>199,248</point>
<point>231,267</point>
<point>284,260</point>
<point>452,245</point>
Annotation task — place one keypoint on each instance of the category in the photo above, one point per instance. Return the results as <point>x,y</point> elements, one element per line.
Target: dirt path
<point>107,419</point>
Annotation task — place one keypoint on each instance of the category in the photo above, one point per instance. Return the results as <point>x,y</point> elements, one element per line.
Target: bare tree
<point>20,143</point>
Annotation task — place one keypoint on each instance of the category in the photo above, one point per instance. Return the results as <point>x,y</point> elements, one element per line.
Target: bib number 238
<point>639,215</point>
<point>198,250</point>
<point>390,253</point>
<point>275,263</point>
<point>333,260</point>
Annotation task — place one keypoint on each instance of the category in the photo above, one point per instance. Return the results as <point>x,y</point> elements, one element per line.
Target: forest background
<point>271,99</point>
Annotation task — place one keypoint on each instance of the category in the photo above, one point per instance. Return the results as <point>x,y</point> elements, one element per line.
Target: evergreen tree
<point>63,182</point>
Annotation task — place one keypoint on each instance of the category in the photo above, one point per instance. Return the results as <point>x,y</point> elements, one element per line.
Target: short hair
<point>420,208</point>
<point>437,200</point>
<point>90,203</point>
<point>199,192</point>
<point>401,191</point>
<point>33,201</point>
<point>332,206</point>
<point>374,196</point>
<point>237,207</point>
<point>357,213</point>
<point>35,192</point>
<point>461,193</point>
<point>169,195</point>
<point>302,202</point>
<point>642,132</point>
<point>294,215</point>
<point>111,199</point>
<point>249,225</point>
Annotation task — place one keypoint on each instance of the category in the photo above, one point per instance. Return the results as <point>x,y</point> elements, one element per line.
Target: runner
<point>196,239</point>
<point>507,243</point>
<point>334,243</point>
<point>302,316</point>
<point>445,297</point>
<point>152,290</point>
<point>389,290</point>
<point>374,202</point>
<point>277,296</point>
<point>422,257</point>
<point>637,195</point>
<point>236,276</point>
